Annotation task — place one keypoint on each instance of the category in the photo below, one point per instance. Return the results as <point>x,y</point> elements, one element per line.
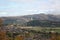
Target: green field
<point>44,29</point>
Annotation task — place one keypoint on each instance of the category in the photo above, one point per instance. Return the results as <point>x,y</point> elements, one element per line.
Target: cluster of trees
<point>43,23</point>
<point>4,35</point>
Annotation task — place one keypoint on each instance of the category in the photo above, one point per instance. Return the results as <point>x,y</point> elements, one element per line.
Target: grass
<point>46,29</point>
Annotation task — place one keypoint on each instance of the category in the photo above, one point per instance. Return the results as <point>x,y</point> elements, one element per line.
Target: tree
<point>2,32</point>
<point>34,23</point>
<point>1,22</point>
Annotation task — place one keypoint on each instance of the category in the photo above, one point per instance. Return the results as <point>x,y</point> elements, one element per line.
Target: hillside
<point>27,18</point>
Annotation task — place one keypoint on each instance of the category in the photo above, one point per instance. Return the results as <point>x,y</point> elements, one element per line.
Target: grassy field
<point>45,29</point>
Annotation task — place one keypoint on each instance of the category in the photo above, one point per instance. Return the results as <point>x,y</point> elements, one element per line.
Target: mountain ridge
<point>26,18</point>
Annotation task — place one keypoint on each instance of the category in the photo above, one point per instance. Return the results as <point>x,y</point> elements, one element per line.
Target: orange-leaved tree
<point>2,32</point>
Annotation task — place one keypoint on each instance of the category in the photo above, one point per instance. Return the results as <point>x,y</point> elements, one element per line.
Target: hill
<point>27,18</point>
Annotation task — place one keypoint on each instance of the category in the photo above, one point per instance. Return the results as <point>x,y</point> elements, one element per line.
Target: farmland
<point>47,29</point>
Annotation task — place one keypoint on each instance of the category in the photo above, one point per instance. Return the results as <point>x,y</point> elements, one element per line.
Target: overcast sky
<point>27,7</point>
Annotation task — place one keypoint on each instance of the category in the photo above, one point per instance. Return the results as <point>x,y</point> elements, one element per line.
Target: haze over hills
<point>40,16</point>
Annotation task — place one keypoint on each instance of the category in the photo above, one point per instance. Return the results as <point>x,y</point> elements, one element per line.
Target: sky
<point>27,7</point>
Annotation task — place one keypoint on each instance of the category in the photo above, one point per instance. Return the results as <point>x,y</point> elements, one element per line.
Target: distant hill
<point>27,18</point>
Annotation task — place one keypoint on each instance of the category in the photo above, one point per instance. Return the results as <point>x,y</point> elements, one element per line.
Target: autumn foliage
<point>3,35</point>
<point>19,37</point>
